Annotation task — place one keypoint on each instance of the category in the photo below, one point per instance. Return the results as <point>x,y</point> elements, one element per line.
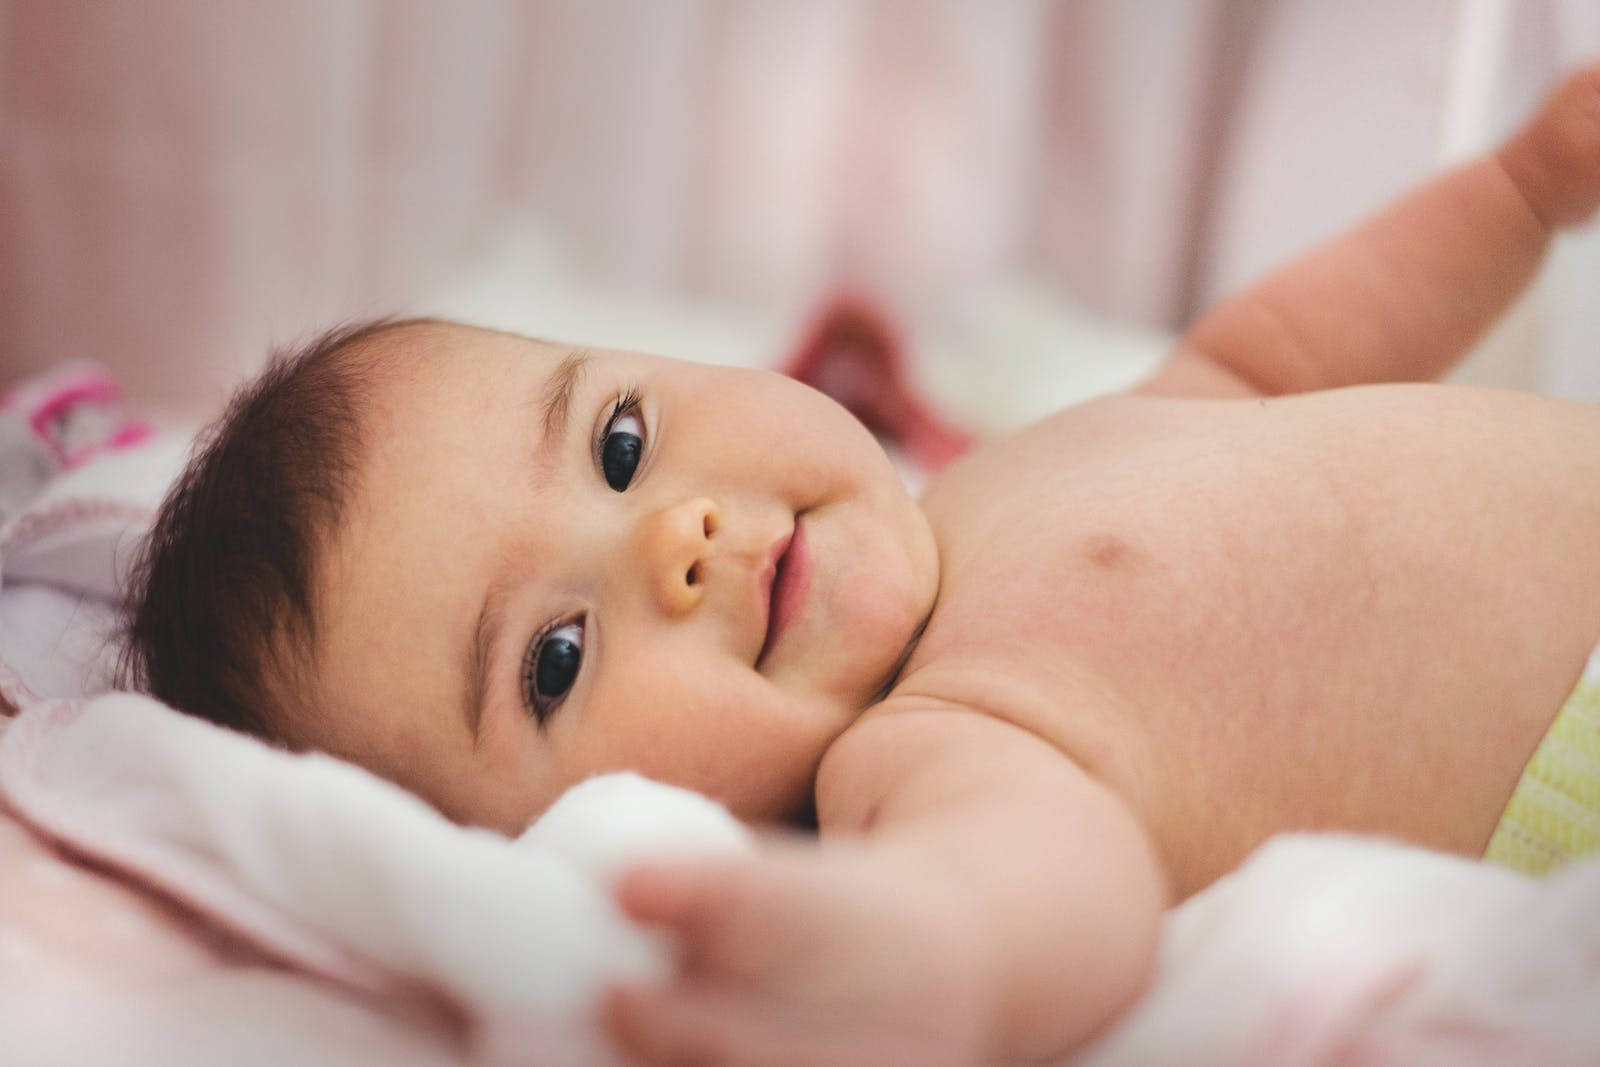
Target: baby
<point>1096,664</point>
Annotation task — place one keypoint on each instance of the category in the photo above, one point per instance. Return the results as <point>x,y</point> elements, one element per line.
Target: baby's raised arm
<point>1404,295</point>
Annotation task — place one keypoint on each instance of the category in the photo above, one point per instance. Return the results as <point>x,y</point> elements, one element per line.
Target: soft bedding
<point>172,893</point>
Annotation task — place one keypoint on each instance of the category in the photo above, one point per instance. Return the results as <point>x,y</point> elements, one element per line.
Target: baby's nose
<point>676,541</point>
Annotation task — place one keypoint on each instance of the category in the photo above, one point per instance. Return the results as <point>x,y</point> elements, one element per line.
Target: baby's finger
<point>702,904</point>
<point>736,918</point>
<point>665,894</point>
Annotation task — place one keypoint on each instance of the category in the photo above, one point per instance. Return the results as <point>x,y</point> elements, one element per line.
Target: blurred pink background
<point>183,184</point>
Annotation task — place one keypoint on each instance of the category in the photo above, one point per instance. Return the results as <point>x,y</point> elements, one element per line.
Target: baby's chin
<point>863,617</point>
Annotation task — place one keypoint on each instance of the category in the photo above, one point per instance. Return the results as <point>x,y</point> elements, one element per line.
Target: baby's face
<point>557,563</point>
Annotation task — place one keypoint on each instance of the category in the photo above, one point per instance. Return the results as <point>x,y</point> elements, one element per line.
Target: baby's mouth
<point>791,577</point>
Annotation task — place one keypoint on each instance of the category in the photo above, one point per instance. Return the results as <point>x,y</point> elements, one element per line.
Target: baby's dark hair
<point>220,609</point>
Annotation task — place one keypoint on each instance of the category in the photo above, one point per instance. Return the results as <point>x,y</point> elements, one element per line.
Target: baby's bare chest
<point>1358,610</point>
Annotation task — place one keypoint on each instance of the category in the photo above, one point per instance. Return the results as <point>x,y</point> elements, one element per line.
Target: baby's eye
<point>622,443</point>
<point>551,668</point>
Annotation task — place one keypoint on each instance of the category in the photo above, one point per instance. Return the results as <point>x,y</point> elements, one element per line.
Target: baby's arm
<point>1404,295</point>
<point>1061,878</point>
<point>976,898</point>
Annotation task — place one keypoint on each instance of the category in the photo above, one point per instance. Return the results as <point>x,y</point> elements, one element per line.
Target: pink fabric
<point>61,810</point>
<point>349,891</point>
<point>95,969</point>
<point>68,515</point>
<point>183,185</point>
<point>854,354</point>
<point>76,412</point>
<point>301,904</point>
<point>1333,949</point>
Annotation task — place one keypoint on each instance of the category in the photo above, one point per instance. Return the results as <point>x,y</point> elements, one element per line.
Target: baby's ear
<point>613,821</point>
<point>1555,159</point>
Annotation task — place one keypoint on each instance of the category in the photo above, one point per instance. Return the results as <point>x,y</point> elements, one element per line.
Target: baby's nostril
<point>710,523</point>
<point>693,575</point>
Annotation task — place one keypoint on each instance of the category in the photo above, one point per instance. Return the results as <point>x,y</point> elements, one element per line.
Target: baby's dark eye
<point>551,668</point>
<point>621,447</point>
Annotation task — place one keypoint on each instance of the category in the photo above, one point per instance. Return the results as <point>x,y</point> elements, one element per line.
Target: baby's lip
<point>769,588</point>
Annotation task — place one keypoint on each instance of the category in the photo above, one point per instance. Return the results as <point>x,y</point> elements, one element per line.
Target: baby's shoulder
<point>1069,452</point>
<point>914,750</point>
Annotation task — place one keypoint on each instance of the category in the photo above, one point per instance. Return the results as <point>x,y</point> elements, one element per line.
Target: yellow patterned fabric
<point>1554,813</point>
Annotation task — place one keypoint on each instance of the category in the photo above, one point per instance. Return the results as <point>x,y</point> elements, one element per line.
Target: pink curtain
<point>184,183</point>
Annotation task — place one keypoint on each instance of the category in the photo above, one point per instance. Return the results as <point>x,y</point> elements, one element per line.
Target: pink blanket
<point>195,855</point>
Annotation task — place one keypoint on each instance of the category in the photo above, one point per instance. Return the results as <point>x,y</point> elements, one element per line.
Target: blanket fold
<point>340,875</point>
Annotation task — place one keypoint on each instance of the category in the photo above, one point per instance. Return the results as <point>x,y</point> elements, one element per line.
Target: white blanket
<point>1322,949</point>
<point>338,875</point>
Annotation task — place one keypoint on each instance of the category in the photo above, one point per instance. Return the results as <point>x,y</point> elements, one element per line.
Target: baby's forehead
<point>424,366</point>
<point>437,461</point>
<point>452,347</point>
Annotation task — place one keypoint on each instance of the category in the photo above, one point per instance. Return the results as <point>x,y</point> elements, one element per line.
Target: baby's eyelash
<point>542,710</point>
<point>530,661</point>
<point>617,466</point>
<point>628,401</point>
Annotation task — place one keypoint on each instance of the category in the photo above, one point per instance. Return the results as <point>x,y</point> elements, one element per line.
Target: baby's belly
<point>1356,610</point>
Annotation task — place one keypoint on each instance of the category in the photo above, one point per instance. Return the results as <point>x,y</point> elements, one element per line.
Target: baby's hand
<point>1555,159</point>
<point>825,955</point>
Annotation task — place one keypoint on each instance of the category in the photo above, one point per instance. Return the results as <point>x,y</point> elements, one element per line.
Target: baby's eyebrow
<point>483,636</point>
<point>558,389</point>
<point>554,397</point>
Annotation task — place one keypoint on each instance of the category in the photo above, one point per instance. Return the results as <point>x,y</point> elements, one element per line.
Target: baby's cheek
<point>749,746</point>
<point>398,751</point>
<point>883,601</point>
<point>415,749</point>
